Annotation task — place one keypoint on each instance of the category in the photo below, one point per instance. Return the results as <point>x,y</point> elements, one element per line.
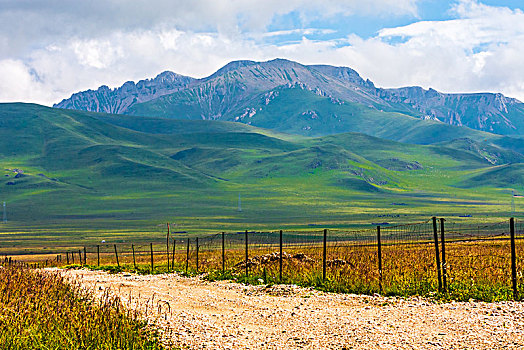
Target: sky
<point>50,49</point>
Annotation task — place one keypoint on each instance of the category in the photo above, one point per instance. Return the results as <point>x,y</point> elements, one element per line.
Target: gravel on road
<point>198,314</point>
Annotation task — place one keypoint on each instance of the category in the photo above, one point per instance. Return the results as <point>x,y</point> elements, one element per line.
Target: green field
<point>89,176</point>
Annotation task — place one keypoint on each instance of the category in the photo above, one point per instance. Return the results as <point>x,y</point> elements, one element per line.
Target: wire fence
<point>461,259</point>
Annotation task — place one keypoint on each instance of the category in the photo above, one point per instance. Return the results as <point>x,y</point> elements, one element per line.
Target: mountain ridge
<point>118,100</point>
<point>232,91</point>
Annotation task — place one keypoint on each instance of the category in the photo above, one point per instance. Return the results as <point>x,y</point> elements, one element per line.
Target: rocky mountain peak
<point>231,66</point>
<point>118,100</point>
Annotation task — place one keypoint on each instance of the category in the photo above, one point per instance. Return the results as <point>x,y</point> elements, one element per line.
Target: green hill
<point>302,112</point>
<point>507,176</point>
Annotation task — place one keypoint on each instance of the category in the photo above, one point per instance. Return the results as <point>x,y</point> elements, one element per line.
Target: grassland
<point>89,177</point>
<point>39,310</point>
<point>478,259</point>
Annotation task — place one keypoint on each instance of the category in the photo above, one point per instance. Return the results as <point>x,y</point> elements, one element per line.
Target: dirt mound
<point>273,257</point>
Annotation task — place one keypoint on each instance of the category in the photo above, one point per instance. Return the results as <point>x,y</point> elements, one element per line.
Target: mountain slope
<point>236,90</point>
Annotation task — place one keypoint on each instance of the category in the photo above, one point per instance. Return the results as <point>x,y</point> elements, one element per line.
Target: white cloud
<point>480,50</point>
<point>305,31</point>
<point>26,24</point>
<point>20,82</point>
<point>96,53</point>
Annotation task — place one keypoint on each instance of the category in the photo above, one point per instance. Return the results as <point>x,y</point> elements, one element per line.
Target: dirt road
<point>224,315</point>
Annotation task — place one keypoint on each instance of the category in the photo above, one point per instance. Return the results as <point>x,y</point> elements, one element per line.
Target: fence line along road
<point>461,259</point>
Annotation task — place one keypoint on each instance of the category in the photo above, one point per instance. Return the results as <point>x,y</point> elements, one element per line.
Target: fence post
<point>152,263</point>
<point>134,258</point>
<point>324,256</point>
<point>173,256</point>
<point>280,260</point>
<point>116,254</point>
<point>247,255</point>
<point>73,257</point>
<point>437,255</point>
<point>379,252</point>
<point>513,259</point>
<point>187,255</point>
<point>98,254</point>
<point>85,256</point>
<point>223,252</point>
<point>197,255</point>
<point>80,256</point>
<point>67,258</point>
<point>167,247</point>
<point>444,267</point>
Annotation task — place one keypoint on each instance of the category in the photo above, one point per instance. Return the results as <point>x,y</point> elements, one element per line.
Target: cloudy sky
<point>50,49</point>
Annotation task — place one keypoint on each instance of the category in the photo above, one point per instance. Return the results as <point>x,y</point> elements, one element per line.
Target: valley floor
<point>224,315</point>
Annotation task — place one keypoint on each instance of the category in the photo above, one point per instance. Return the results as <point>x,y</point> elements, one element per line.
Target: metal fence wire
<point>472,258</point>
<point>478,255</point>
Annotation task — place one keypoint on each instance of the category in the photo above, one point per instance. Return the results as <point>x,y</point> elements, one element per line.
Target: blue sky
<point>53,48</point>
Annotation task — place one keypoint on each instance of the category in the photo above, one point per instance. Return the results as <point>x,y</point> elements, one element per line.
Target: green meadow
<point>88,177</point>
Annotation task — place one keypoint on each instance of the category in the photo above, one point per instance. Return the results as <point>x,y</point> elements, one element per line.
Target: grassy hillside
<point>302,112</point>
<point>87,176</point>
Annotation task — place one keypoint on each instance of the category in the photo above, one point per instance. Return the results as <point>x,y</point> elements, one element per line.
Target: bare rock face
<point>120,99</point>
<point>481,111</point>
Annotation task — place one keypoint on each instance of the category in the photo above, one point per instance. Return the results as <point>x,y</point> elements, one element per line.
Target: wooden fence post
<point>437,255</point>
<point>197,255</point>
<point>173,255</point>
<point>85,256</point>
<point>134,257</point>
<point>247,255</point>
<point>152,263</point>
<point>280,259</point>
<point>187,255</point>
<point>80,257</point>
<point>67,258</point>
<point>324,256</point>
<point>116,254</point>
<point>444,267</point>
<point>167,246</point>
<point>379,253</point>
<point>513,259</point>
<point>223,252</point>
<point>73,257</point>
<point>98,254</point>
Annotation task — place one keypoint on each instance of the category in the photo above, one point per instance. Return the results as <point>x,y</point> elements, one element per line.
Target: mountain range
<point>248,91</point>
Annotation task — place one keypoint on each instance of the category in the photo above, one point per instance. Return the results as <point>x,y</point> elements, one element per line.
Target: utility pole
<point>5,215</point>
<point>513,203</point>
<point>239,203</point>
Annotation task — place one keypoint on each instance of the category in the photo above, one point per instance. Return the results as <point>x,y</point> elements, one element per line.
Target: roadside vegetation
<point>476,271</point>
<point>40,310</point>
